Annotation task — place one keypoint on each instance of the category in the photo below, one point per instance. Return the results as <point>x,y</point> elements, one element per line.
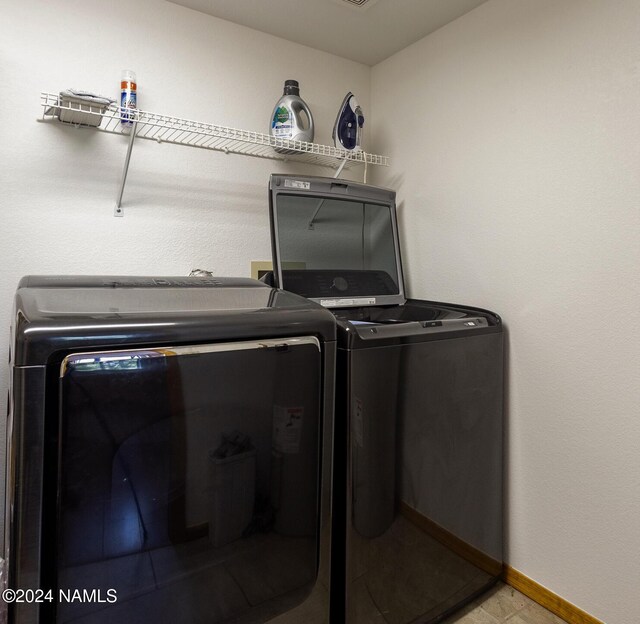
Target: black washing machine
<point>419,410</point>
<point>169,452</point>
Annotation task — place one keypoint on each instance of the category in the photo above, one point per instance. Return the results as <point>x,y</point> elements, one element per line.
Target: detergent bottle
<point>291,117</point>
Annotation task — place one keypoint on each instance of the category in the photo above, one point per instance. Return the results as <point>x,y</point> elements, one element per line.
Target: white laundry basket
<point>233,491</point>
<point>84,112</point>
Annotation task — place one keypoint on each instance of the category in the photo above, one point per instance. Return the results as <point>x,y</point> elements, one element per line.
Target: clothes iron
<point>347,131</point>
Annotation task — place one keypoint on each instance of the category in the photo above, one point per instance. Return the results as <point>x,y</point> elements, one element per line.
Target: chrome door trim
<point>221,347</point>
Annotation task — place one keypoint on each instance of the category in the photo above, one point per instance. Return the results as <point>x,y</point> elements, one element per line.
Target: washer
<point>419,410</point>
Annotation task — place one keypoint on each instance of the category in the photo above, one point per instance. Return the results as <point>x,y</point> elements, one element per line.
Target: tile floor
<point>248,580</point>
<point>504,604</point>
<point>405,576</point>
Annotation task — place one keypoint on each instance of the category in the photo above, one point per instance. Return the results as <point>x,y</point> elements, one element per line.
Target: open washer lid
<point>335,241</point>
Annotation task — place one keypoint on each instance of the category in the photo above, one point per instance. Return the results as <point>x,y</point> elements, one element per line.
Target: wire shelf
<point>177,131</point>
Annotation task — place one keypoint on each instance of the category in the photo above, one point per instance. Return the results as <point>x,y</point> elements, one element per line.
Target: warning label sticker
<point>287,428</point>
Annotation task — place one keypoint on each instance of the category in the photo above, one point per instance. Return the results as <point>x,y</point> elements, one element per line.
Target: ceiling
<point>368,33</point>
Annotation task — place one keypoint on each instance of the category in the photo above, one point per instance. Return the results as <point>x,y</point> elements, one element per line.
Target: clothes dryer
<point>169,452</point>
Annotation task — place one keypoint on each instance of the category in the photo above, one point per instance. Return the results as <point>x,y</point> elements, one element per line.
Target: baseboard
<point>473,555</point>
<point>538,593</point>
<point>543,596</point>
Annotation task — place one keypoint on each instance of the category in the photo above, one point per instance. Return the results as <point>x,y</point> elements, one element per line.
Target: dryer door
<point>188,483</point>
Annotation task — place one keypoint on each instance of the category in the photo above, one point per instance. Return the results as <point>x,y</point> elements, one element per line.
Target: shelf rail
<point>178,131</point>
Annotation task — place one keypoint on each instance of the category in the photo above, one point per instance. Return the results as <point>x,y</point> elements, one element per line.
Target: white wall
<point>515,141</point>
<point>184,208</point>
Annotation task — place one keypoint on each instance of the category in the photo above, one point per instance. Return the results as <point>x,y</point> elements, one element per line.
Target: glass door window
<point>188,482</point>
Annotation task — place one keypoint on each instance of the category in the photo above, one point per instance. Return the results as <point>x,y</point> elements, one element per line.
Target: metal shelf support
<point>119,211</point>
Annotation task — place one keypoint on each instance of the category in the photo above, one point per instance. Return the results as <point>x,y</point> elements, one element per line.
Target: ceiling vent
<point>357,4</point>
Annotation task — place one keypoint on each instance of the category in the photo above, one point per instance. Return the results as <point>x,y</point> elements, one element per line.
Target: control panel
<point>376,330</point>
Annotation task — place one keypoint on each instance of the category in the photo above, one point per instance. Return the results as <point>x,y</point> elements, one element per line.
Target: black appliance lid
<point>335,241</point>
<point>415,321</point>
<point>60,313</point>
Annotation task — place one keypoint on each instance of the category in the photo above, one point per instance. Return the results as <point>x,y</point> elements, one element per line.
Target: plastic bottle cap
<point>128,75</point>
<point>291,87</point>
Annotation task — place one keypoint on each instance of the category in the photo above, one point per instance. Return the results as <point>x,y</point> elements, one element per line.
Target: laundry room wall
<point>184,208</point>
<point>513,133</point>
